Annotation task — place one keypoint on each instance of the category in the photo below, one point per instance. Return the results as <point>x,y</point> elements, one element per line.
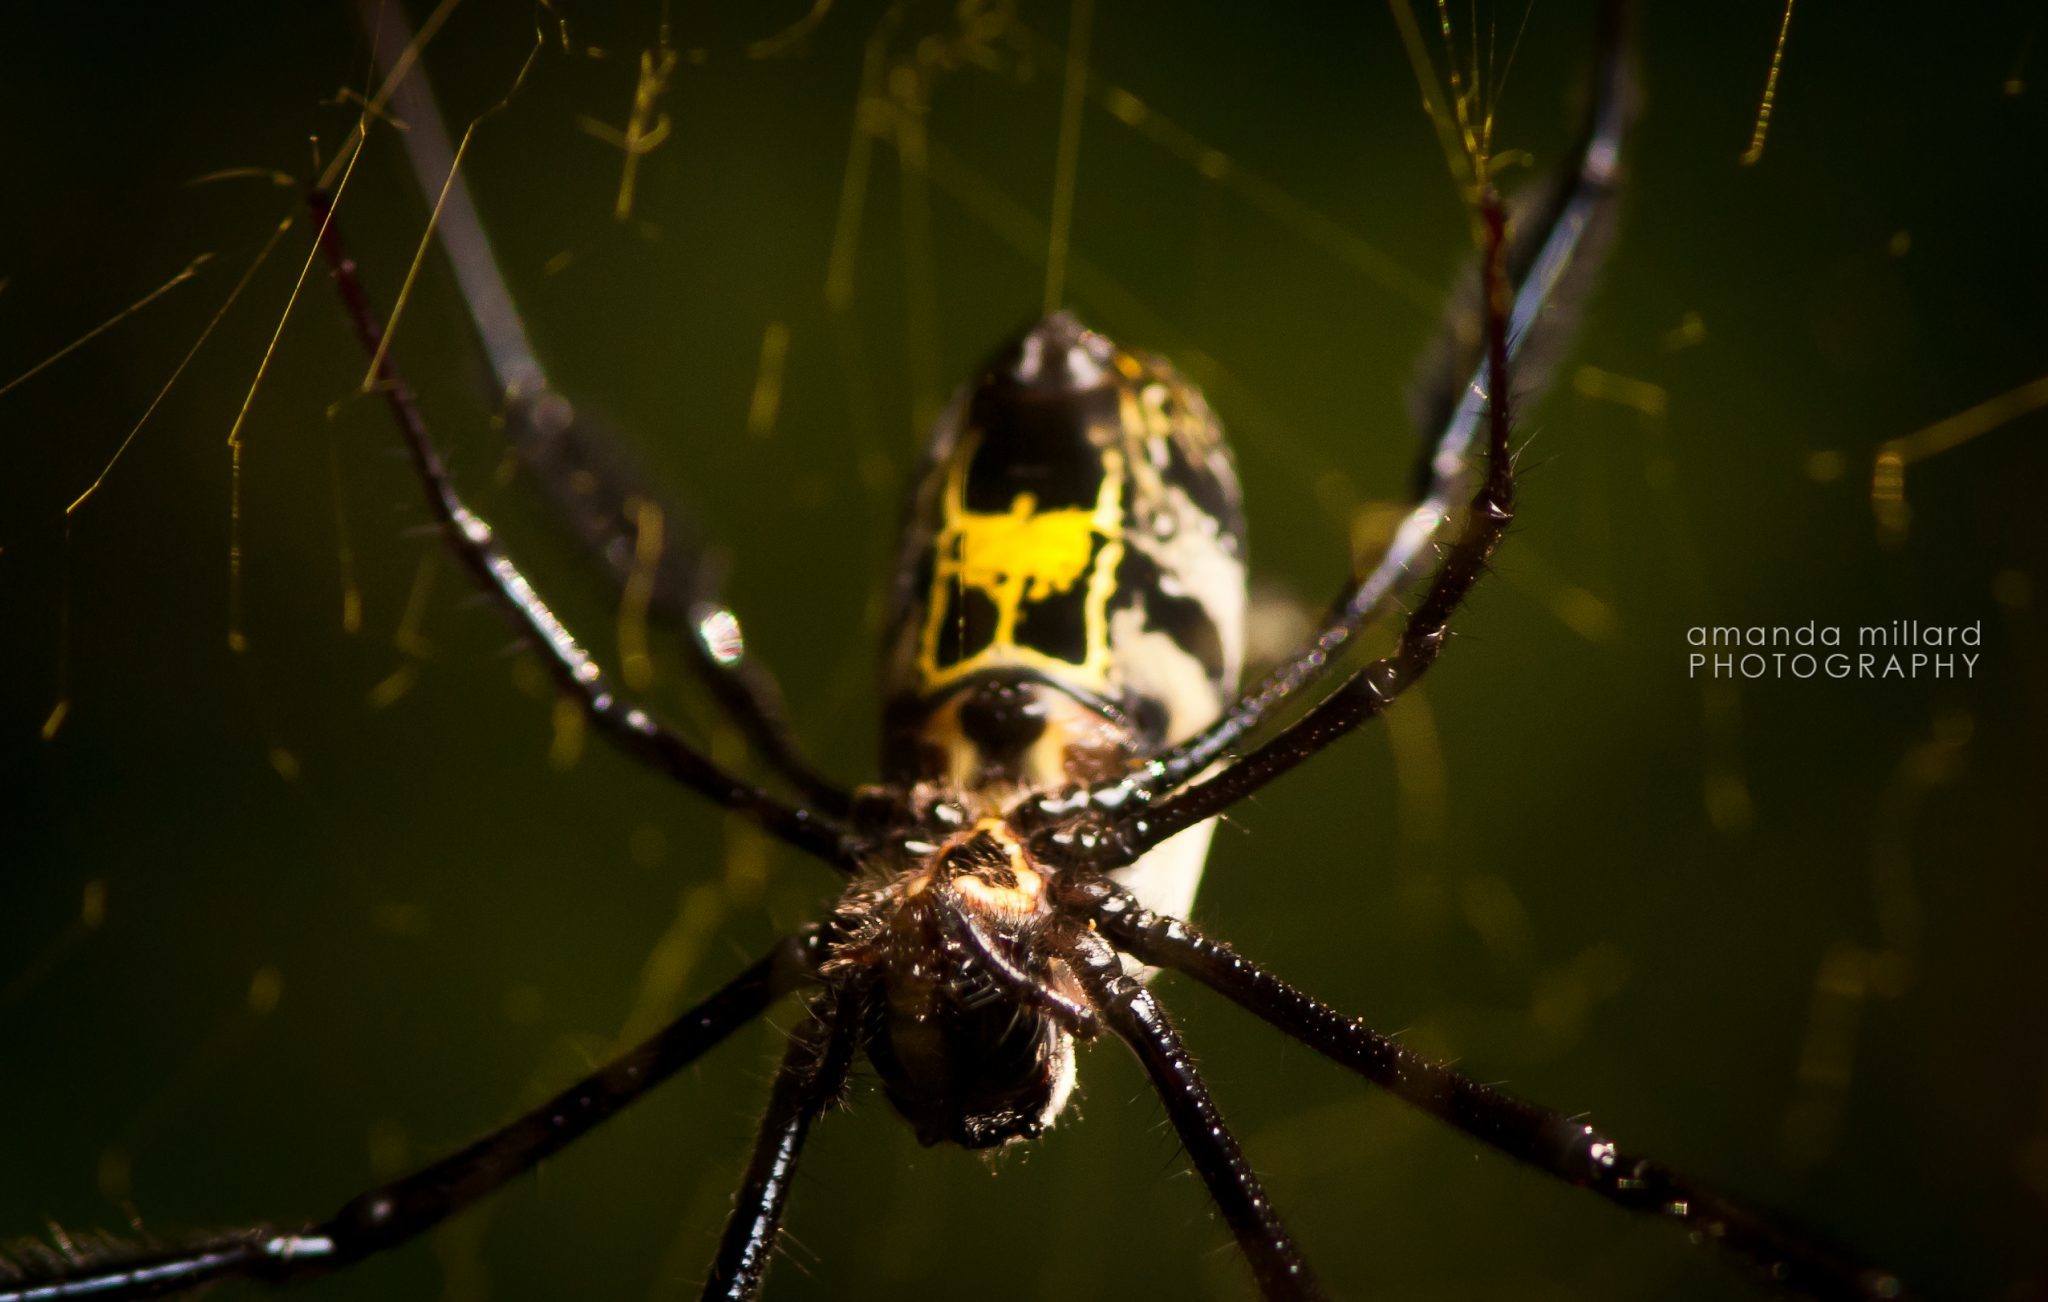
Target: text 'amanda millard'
<point>1900,648</point>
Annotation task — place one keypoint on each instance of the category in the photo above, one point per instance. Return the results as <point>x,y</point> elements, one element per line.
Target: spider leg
<point>399,1211</point>
<point>1552,1142</point>
<point>627,725</point>
<point>960,931</point>
<point>1131,1011</point>
<point>812,1077</point>
<point>1547,262</point>
<point>1133,829</point>
<point>634,532</point>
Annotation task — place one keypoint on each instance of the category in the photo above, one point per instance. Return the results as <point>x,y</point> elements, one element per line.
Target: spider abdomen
<point>1071,592</point>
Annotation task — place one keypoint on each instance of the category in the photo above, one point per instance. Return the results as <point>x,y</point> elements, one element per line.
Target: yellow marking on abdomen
<point>1019,555</point>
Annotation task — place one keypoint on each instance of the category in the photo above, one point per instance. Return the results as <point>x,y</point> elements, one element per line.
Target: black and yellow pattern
<point>1024,587</point>
<point>1078,532</point>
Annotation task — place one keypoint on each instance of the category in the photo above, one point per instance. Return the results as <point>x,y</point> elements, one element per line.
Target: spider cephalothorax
<point>942,948</point>
<point>1061,725</point>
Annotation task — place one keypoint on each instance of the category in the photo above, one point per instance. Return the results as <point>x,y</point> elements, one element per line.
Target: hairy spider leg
<point>1135,1015</point>
<point>812,1077</point>
<point>634,730</point>
<point>638,534</point>
<point>403,1209</point>
<point>1564,1147</point>
<point>1548,260</point>
<point>1367,693</point>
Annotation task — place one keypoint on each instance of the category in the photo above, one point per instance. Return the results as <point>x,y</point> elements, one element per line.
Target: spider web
<point>766,245</point>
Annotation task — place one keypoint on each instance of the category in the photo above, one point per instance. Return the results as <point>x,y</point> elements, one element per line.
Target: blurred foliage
<point>349,898</point>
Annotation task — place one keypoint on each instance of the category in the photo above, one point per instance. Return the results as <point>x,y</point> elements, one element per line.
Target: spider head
<point>966,1035</point>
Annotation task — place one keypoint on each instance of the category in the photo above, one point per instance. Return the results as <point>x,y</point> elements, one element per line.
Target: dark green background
<point>458,926</point>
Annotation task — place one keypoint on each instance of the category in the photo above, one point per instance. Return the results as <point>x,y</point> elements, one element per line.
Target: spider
<point>1061,727</point>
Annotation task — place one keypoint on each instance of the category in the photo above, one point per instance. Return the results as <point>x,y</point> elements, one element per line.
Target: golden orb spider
<point>1063,723</point>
